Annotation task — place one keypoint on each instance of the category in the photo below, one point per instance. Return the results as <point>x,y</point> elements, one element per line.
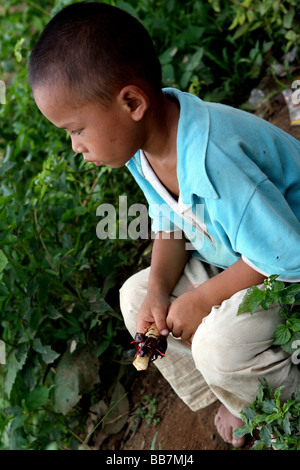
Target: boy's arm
<point>187,311</point>
<point>168,260</point>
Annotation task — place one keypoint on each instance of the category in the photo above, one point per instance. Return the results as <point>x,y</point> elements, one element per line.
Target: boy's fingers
<point>177,325</point>
<point>142,325</point>
<point>161,323</point>
<point>158,318</point>
<point>163,331</point>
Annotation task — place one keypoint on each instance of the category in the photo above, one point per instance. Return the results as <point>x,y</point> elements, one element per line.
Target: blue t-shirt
<point>245,174</point>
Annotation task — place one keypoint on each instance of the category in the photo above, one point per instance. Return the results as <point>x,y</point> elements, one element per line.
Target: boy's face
<point>105,136</point>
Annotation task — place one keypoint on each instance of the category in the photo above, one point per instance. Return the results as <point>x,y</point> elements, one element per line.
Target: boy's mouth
<point>91,161</point>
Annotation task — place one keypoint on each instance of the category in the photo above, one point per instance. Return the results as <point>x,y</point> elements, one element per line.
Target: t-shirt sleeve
<point>268,236</point>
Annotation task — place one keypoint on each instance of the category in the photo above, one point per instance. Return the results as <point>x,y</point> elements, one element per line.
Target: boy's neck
<point>162,136</point>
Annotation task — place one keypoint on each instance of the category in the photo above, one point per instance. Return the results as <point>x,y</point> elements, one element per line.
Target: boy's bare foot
<point>226,423</point>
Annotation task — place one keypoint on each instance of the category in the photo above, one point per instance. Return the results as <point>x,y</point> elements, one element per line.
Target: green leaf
<point>288,18</point>
<point>251,301</point>
<point>277,394</point>
<point>4,292</point>
<point>242,29</point>
<point>242,431</point>
<point>37,397</point>
<point>289,294</point>
<point>53,313</point>
<point>278,286</point>
<point>279,445</point>
<point>273,277</point>
<point>127,7</point>
<point>70,214</point>
<point>167,56</point>
<point>291,35</point>
<point>272,417</point>
<point>265,435</point>
<point>195,59</point>
<point>249,413</point>
<point>3,261</point>
<point>258,445</point>
<point>269,406</point>
<point>287,424</point>
<point>15,363</point>
<point>250,16</point>
<point>282,335</point>
<point>47,352</point>
<point>76,374</point>
<point>293,324</point>
<point>103,347</point>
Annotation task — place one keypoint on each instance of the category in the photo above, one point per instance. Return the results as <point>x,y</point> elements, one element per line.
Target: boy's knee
<point>127,294</point>
<point>228,342</point>
<point>213,351</point>
<point>132,294</point>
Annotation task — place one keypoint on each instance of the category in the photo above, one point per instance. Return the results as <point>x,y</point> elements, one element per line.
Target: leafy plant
<point>277,18</point>
<point>278,424</point>
<point>147,410</point>
<point>221,48</point>
<point>287,334</point>
<point>59,316</point>
<point>54,281</point>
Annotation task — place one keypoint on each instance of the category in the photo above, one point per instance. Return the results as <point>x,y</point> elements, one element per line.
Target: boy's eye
<point>77,132</point>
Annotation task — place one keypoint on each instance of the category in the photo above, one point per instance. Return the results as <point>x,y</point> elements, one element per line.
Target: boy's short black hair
<point>94,48</point>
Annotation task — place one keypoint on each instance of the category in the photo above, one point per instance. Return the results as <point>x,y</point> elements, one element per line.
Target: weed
<point>146,411</point>
<point>154,442</point>
<point>278,423</point>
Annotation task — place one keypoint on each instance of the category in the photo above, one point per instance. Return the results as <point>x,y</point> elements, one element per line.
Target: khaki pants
<point>229,352</point>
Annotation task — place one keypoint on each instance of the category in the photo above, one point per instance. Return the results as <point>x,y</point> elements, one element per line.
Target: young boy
<point>218,180</point>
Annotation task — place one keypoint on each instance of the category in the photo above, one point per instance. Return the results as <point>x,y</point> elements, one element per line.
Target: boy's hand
<point>154,310</point>
<point>186,313</point>
<point>182,317</point>
<point>188,310</point>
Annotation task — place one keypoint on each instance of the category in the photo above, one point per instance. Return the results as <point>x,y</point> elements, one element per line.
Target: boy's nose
<point>78,147</point>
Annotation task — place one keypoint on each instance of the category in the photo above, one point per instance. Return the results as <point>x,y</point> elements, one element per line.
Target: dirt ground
<point>179,428</point>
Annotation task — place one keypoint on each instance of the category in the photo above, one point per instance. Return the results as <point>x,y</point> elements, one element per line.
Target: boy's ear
<point>135,101</point>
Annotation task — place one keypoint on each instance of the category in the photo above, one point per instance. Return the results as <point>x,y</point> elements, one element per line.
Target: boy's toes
<point>226,423</point>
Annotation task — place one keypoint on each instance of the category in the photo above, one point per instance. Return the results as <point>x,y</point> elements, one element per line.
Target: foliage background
<point>59,313</point>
